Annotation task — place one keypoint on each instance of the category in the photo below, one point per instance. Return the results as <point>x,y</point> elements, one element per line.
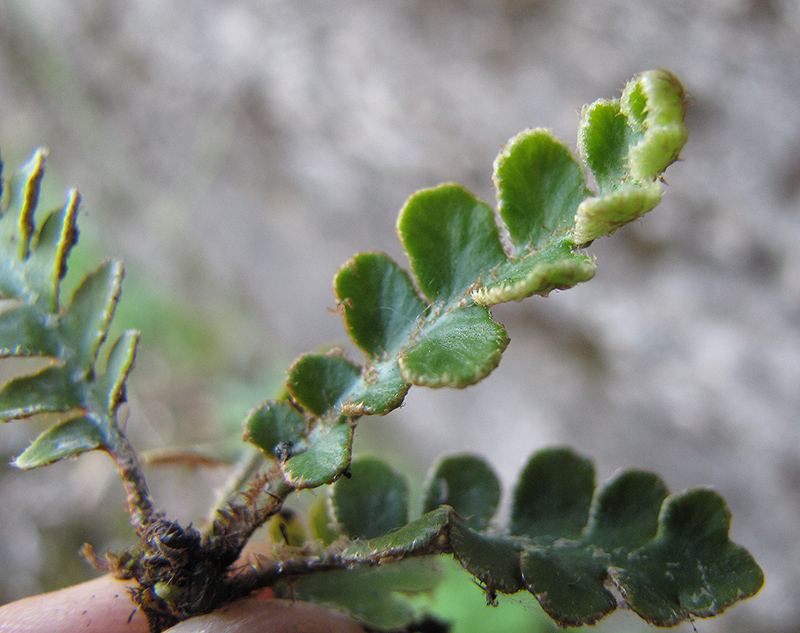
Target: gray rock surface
<point>257,145</point>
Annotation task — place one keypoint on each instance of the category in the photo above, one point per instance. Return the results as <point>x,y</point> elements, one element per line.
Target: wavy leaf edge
<point>570,574</point>
<point>431,326</point>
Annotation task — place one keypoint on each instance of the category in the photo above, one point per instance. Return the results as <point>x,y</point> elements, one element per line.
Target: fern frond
<point>581,550</point>
<point>433,327</point>
<point>83,390</point>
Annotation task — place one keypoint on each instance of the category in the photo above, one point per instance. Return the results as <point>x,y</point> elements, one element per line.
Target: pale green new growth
<point>628,144</point>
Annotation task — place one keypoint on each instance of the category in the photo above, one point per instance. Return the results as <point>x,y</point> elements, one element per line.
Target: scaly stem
<point>247,510</point>
<point>245,471</point>
<point>139,503</point>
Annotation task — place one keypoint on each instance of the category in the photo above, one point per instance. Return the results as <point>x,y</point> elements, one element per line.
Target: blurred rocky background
<point>235,152</point>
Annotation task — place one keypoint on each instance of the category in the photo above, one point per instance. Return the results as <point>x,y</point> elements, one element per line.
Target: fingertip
<point>256,615</point>
<point>102,605</point>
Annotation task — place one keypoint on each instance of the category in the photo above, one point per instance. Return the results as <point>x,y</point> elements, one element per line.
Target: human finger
<point>256,615</point>
<point>102,605</point>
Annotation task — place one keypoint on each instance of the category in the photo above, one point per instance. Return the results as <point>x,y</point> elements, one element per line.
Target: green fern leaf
<point>554,266</point>
<point>372,502</point>
<point>628,144</point>
<point>493,560</point>
<point>539,187</point>
<point>669,557</point>
<point>465,482</point>
<point>568,542</point>
<point>377,597</point>
<point>66,439</point>
<point>380,389</point>
<point>85,325</point>
<point>274,426</point>
<point>379,303</point>
<point>690,568</point>
<point>455,349</point>
<point>22,333</point>
<point>319,383</point>
<point>432,327</point>
<point>50,390</point>
<point>451,239</point>
<point>109,388</point>
<point>325,460</point>
<point>18,226</point>
<point>553,495</point>
<point>35,324</point>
